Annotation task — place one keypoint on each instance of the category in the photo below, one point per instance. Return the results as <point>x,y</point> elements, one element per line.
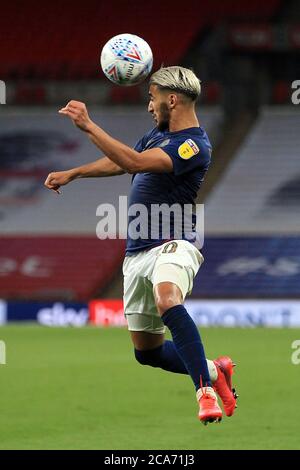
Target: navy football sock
<point>188,343</point>
<point>165,357</point>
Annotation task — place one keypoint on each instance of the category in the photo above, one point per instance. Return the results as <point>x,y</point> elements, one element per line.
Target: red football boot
<point>223,384</point>
<point>209,410</point>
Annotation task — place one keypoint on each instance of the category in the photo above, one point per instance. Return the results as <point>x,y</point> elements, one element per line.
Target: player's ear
<point>173,100</point>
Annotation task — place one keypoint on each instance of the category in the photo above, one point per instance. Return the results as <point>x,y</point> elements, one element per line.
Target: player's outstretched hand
<point>78,113</point>
<point>55,180</point>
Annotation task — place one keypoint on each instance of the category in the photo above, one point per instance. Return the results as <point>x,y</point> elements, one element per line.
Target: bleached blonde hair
<point>178,79</point>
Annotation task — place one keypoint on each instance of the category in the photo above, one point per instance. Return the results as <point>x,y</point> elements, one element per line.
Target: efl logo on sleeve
<point>2,92</point>
<point>188,149</point>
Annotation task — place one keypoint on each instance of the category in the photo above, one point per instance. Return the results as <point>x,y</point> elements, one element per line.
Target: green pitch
<point>82,389</point>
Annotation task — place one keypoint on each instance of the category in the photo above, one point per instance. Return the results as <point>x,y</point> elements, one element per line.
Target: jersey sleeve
<point>187,154</point>
<point>141,144</point>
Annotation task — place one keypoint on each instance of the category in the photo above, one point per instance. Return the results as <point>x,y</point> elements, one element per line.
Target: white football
<point>126,59</point>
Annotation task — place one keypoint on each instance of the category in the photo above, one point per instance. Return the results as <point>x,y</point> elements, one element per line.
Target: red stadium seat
<point>54,37</point>
<point>57,267</point>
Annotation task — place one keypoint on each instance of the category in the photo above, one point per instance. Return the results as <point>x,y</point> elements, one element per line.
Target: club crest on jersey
<point>188,149</point>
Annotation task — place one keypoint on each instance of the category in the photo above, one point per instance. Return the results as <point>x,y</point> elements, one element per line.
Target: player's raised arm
<point>131,161</point>
<point>100,168</point>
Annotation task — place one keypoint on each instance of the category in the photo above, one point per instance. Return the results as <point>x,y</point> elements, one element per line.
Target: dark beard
<point>164,121</point>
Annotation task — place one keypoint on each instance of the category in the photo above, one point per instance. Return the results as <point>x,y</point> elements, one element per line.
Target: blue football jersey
<point>190,151</point>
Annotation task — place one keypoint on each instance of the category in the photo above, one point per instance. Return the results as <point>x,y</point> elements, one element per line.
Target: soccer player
<point>168,166</point>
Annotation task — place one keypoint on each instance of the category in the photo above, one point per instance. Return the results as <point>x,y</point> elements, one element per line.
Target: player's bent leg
<point>147,329</point>
<point>168,297</point>
<point>152,350</point>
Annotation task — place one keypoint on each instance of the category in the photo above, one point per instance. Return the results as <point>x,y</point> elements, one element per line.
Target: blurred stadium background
<point>55,272</point>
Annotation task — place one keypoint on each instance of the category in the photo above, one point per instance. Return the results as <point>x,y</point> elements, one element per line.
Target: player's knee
<point>166,295</point>
<point>164,304</point>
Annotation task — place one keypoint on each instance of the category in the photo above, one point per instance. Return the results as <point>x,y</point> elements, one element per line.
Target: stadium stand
<point>68,268</point>
<point>259,193</point>
<point>37,49</point>
<point>252,216</point>
<point>249,267</point>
